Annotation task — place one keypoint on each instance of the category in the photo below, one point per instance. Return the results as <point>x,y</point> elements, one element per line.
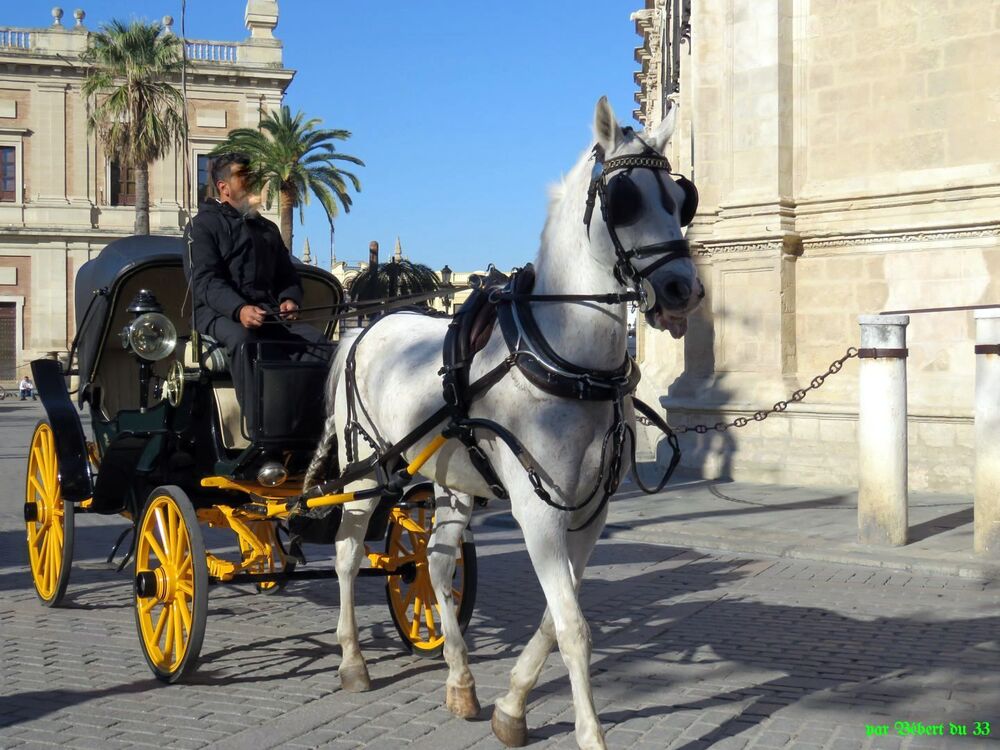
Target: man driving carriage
<point>245,288</point>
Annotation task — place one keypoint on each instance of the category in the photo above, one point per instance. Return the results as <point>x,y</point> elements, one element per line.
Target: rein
<point>365,307</point>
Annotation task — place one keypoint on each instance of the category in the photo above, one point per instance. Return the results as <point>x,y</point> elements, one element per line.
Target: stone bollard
<point>882,458</point>
<point>986,513</point>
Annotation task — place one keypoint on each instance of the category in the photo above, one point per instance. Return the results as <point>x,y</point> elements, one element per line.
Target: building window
<point>8,341</point>
<point>8,188</point>
<point>122,185</point>
<point>206,186</point>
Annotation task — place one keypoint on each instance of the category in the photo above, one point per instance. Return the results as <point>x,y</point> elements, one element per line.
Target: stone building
<point>62,200</point>
<point>848,161</point>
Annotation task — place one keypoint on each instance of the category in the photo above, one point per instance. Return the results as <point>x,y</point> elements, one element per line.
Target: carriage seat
<point>215,359</point>
<point>214,356</point>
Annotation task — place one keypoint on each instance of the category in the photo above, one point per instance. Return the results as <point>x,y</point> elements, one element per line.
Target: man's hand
<point>252,316</point>
<point>289,310</point>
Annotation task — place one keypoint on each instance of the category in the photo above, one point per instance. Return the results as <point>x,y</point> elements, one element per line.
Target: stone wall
<point>848,163</point>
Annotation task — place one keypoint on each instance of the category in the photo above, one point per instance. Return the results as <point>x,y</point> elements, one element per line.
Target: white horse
<point>397,379</point>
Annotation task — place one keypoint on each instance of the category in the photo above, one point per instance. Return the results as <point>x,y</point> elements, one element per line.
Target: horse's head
<point>642,207</point>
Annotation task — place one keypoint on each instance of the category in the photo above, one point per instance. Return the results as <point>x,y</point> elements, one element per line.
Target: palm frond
<point>293,154</point>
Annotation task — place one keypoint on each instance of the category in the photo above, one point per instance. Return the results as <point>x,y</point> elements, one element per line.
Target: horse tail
<point>328,440</point>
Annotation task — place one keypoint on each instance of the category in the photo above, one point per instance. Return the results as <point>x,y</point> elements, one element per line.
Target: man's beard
<point>250,206</point>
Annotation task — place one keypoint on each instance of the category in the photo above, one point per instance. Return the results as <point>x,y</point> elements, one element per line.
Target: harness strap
<point>649,413</point>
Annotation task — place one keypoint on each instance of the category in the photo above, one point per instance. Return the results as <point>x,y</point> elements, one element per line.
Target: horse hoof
<point>462,701</point>
<point>355,679</point>
<point>510,731</point>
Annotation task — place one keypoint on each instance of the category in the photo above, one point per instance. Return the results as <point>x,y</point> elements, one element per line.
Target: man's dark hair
<point>221,164</point>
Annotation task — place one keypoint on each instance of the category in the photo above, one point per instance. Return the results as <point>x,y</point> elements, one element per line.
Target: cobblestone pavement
<point>691,650</point>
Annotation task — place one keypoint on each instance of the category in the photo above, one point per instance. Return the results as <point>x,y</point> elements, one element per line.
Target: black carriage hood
<point>98,278</point>
<point>95,284</point>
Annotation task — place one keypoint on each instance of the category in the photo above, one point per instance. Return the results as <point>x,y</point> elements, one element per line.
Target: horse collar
<point>542,366</point>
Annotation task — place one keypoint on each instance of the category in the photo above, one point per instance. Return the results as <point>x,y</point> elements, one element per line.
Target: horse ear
<point>609,136</point>
<point>659,136</point>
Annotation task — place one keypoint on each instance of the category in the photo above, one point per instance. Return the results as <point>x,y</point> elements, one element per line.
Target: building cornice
<point>907,236</point>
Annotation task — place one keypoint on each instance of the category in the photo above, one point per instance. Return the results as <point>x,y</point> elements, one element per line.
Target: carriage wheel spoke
<point>182,609</point>
<point>184,569</point>
<point>59,539</point>
<point>161,623</point>
<point>163,538</point>
<point>178,634</point>
<point>50,566</point>
<point>154,546</point>
<point>415,623</point>
<point>170,540</point>
<point>36,456</point>
<point>167,619</point>
<point>429,618</point>
<point>146,606</point>
<point>37,486</point>
<point>408,600</point>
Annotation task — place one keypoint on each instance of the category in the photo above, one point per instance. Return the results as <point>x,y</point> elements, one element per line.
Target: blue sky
<point>463,112</point>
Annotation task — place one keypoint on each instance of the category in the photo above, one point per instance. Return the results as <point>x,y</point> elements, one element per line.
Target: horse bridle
<point>625,270</point>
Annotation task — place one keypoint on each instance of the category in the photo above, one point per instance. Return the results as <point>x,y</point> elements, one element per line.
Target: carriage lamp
<point>150,336</point>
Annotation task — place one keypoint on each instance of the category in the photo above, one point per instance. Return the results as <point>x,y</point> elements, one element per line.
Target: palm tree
<point>138,114</point>
<point>290,157</point>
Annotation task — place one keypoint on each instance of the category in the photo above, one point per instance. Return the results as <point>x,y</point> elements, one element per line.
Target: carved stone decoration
<point>879,238</point>
<point>664,27</point>
<point>787,245</point>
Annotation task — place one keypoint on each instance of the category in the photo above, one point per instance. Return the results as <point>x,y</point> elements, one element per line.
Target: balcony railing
<point>15,38</point>
<point>198,51</point>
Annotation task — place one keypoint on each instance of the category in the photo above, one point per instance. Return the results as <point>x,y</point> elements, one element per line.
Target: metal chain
<point>760,416</point>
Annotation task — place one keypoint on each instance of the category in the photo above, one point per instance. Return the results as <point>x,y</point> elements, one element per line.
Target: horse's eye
<point>624,200</point>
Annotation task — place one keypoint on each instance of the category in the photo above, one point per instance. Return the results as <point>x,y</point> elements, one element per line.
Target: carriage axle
<point>408,572</point>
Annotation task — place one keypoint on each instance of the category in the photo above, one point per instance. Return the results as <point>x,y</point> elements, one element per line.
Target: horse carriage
<point>171,451</point>
<point>526,394</point>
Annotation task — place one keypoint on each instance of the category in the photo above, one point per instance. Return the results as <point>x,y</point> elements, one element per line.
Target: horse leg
<point>451,517</point>
<point>509,722</point>
<point>350,551</point>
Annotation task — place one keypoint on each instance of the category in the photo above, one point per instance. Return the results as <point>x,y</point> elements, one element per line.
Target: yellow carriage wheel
<point>171,584</point>
<point>48,519</point>
<point>412,603</point>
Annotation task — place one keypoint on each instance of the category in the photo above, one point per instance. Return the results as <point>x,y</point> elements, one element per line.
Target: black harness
<point>503,299</point>
<point>621,204</point>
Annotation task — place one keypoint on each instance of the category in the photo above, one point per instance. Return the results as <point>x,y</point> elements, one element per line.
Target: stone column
<point>49,144</point>
<point>47,300</point>
<point>882,460</point>
<point>986,535</point>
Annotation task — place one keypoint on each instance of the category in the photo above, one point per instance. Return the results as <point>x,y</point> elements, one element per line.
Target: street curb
<point>818,550</point>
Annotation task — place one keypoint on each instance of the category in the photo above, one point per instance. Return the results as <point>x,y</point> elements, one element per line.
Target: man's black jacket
<point>235,261</point>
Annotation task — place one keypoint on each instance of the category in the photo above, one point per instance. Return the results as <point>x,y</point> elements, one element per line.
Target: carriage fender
<point>75,477</point>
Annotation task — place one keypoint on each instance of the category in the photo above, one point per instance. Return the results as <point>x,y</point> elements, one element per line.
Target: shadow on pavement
<point>670,618</point>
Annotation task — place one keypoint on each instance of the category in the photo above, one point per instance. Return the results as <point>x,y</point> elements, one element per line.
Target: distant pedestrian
<point>27,389</point>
